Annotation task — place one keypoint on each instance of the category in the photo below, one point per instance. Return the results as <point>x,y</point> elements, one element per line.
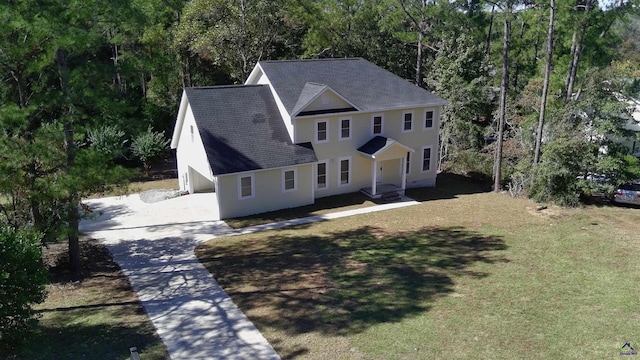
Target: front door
<point>379,173</point>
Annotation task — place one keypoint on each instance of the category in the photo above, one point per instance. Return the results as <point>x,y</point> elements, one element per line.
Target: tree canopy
<point>83,81</point>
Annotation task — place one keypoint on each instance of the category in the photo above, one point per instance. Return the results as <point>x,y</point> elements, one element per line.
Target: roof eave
<point>253,76</point>
<point>182,111</point>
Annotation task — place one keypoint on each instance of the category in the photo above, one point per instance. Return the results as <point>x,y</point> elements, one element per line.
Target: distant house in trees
<point>633,124</point>
<point>304,129</point>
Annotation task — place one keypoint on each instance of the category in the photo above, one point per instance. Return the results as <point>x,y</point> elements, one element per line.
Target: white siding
<point>268,194</point>
<point>361,168</point>
<point>327,100</point>
<point>191,158</point>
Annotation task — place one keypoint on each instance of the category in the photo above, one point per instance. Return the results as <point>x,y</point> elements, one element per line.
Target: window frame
<point>326,175</point>
<point>407,163</point>
<point>433,116</point>
<point>430,148</point>
<point>316,132</point>
<point>340,160</point>
<point>404,121</point>
<point>284,179</point>
<point>253,186</point>
<point>340,128</point>
<point>373,124</point>
<point>192,131</point>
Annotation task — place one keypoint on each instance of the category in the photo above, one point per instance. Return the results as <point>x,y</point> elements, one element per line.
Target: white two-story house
<point>298,130</point>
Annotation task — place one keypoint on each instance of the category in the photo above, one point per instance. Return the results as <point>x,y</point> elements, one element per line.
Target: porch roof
<point>379,145</point>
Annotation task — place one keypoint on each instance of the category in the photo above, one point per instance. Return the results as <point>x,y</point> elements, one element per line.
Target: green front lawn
<point>465,274</point>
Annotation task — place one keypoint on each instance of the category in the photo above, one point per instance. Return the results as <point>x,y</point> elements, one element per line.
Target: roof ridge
<point>311,60</point>
<point>316,83</point>
<point>223,86</point>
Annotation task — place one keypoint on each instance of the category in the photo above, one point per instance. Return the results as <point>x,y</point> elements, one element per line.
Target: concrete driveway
<point>154,245</point>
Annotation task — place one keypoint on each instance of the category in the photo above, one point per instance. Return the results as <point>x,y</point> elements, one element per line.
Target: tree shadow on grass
<point>344,282</point>
<point>73,339</point>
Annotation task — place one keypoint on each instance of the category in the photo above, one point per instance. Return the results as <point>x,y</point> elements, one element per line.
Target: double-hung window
<point>246,187</point>
<point>376,123</point>
<point>288,180</point>
<point>321,175</point>
<point>322,131</point>
<point>345,171</point>
<point>407,122</point>
<point>345,129</point>
<point>426,159</point>
<point>428,119</point>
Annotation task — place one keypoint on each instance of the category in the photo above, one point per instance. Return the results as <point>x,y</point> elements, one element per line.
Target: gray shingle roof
<point>375,144</point>
<point>242,130</point>
<point>364,84</point>
<point>309,91</point>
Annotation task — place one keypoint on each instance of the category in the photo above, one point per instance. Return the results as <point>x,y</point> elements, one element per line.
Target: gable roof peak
<point>365,85</point>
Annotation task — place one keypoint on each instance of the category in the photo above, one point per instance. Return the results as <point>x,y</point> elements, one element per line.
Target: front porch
<point>389,161</point>
<point>387,192</point>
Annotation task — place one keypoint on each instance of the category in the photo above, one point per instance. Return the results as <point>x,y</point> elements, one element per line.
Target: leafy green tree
<point>556,176</point>
<point>22,283</point>
<point>233,35</point>
<point>149,146</point>
<point>55,86</point>
<point>460,74</point>
<point>108,140</point>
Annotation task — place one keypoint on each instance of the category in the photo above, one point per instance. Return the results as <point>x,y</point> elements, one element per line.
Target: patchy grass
<point>98,317</point>
<point>465,275</point>
<point>138,187</point>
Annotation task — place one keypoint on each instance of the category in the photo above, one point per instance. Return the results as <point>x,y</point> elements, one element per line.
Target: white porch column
<point>403,166</point>
<point>374,173</point>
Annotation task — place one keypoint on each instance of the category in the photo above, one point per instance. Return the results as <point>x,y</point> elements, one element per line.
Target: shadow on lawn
<point>343,282</point>
<point>448,186</point>
<point>73,340</point>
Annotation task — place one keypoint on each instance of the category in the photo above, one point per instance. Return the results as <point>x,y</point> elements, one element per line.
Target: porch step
<point>390,196</point>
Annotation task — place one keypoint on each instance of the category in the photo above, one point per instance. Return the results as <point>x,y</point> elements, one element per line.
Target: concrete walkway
<point>154,245</point>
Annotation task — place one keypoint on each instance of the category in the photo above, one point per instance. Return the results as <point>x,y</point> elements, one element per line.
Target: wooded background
<point>87,87</point>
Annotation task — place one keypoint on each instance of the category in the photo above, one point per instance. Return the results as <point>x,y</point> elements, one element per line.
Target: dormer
<point>317,99</point>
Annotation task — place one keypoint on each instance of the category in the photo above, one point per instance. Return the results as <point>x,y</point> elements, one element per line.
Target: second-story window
<point>377,124</point>
<point>407,124</point>
<point>428,119</point>
<point>345,129</point>
<point>321,131</point>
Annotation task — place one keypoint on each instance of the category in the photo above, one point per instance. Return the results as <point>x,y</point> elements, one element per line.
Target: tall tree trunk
<point>419,60</point>
<point>545,86</point>
<point>536,46</point>
<point>576,51</point>
<point>32,167</point>
<point>488,45</point>
<point>73,201</point>
<point>504,87</point>
<point>516,75</point>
